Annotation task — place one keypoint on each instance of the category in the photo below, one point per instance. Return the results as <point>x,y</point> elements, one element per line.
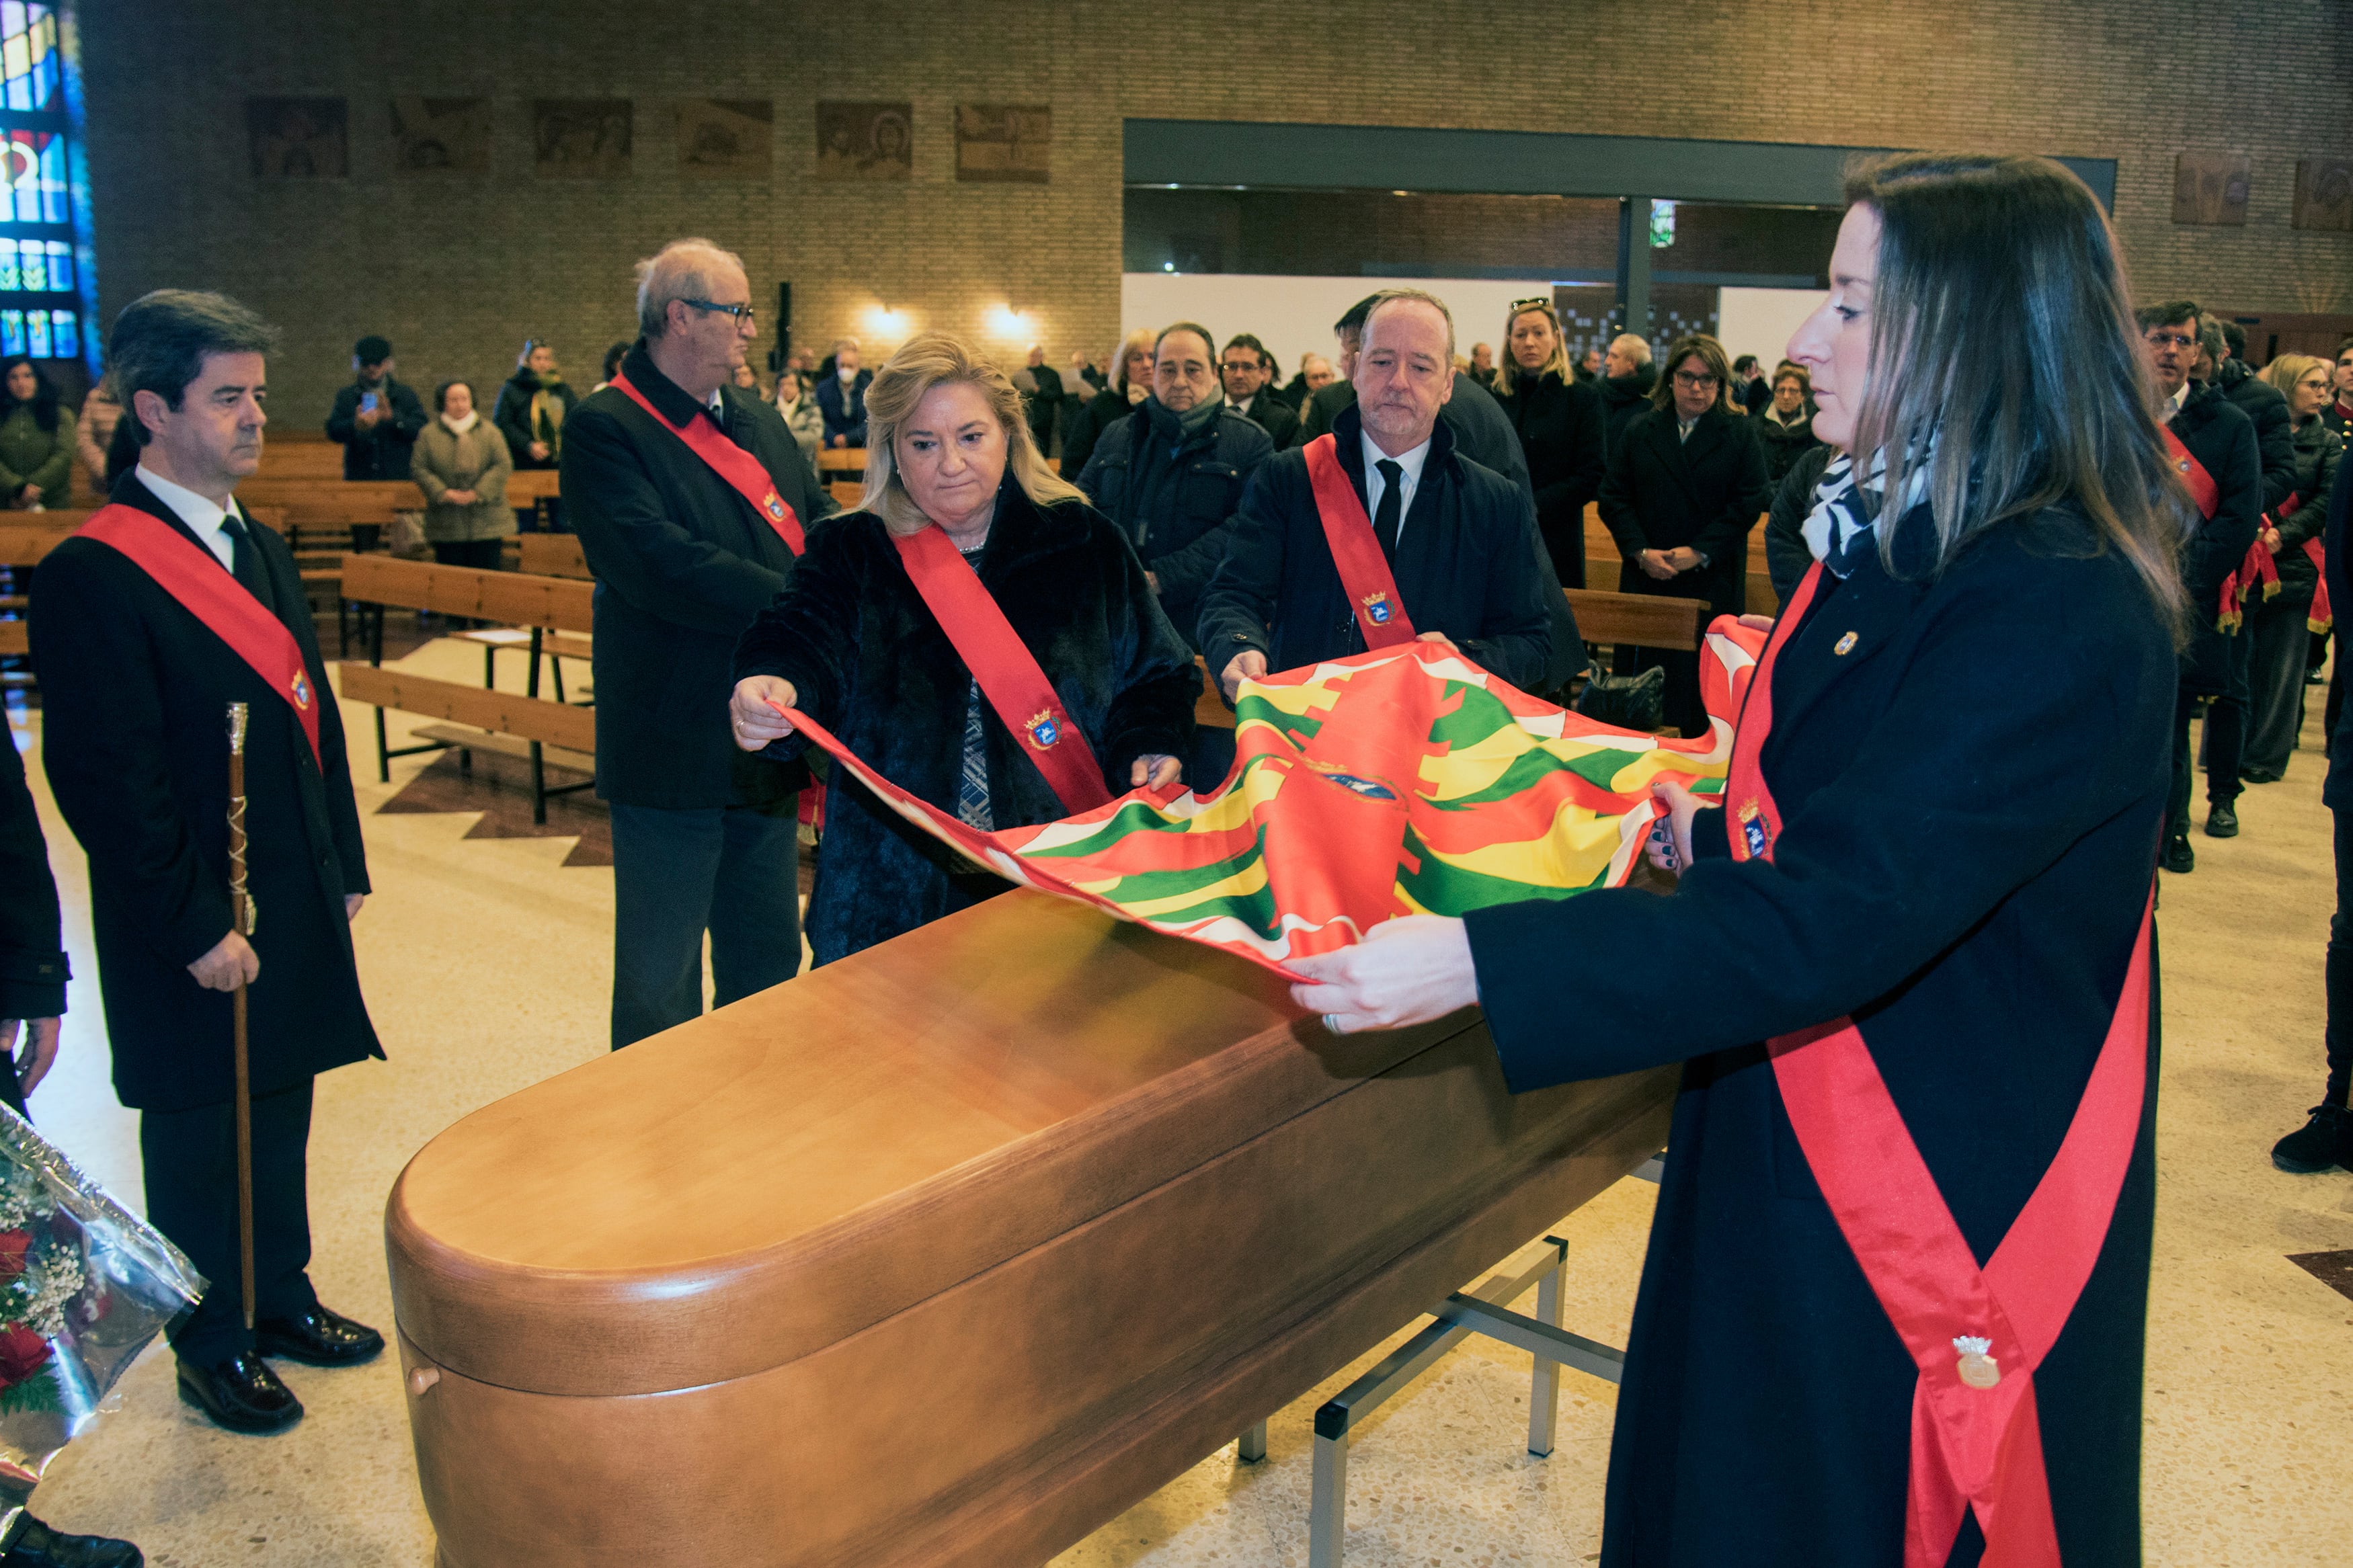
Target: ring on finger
<point>1332,1024</point>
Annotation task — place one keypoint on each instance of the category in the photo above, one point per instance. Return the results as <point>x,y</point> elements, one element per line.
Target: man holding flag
<point>166,607</point>
<point>1380,531</point>
<point>690,497</point>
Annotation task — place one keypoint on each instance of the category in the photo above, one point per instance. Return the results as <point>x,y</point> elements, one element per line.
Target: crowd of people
<point>1015,644</point>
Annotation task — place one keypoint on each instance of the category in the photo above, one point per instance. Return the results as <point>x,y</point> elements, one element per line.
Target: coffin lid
<point>755,1186</point>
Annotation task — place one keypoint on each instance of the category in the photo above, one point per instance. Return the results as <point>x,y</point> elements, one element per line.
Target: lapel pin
<point>1845,645</point>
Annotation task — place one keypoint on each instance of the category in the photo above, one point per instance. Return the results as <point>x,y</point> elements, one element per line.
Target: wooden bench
<point>1602,561</point>
<point>1640,619</point>
<point>539,605</point>
<point>25,538</point>
<point>553,555</point>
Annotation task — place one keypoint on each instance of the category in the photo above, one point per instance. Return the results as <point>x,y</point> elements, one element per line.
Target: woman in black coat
<point>1950,781</point>
<point>1561,429</point>
<point>531,409</point>
<point>1130,385</point>
<point>1682,491</point>
<point>852,641</point>
<point>1785,427</point>
<point>2275,628</point>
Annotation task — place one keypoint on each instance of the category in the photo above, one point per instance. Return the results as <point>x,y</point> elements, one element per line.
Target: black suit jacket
<point>1971,790</point>
<point>1270,414</point>
<point>2224,441</point>
<point>683,565</point>
<point>134,697</point>
<point>33,970</point>
<point>1662,492</point>
<point>1468,565</point>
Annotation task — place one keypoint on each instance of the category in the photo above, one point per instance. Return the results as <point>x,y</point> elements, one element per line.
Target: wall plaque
<point>2323,194</point>
<point>1004,142</point>
<point>2211,187</point>
<point>726,138</point>
<point>433,136</point>
<point>865,141</point>
<point>298,138</point>
<point>580,138</point>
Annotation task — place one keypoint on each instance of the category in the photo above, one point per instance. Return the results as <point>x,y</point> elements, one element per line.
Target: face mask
<point>846,372</point>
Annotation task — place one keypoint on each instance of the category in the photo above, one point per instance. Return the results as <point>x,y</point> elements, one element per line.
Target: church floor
<point>486,956</point>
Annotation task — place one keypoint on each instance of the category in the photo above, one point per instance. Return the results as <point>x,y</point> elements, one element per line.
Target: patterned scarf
<point>1842,529</point>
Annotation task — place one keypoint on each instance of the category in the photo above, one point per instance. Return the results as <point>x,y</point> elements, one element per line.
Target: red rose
<point>13,1243</point>
<point>23,1352</point>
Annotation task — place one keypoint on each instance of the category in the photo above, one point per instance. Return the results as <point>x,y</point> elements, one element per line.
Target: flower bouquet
<point>85,1286</point>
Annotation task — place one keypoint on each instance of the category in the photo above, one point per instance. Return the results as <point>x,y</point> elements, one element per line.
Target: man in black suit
<point>1459,538</point>
<point>703,835</point>
<point>841,396</point>
<point>138,664</point>
<point>1247,368</point>
<point>2222,462</point>
<point>377,419</point>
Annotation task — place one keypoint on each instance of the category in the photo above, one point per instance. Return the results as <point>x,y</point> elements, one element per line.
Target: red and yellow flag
<point>1398,782</point>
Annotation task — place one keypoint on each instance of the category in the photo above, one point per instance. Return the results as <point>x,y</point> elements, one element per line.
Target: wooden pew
<point>1611,619</point>
<point>553,555</point>
<point>25,538</point>
<point>541,605</point>
<point>931,1258</point>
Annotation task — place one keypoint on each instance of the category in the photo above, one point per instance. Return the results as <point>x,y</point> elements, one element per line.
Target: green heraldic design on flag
<point>1402,780</point>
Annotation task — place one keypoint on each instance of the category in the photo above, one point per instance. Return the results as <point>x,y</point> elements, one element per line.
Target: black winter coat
<point>381,451</point>
<point>2266,407</point>
<point>868,660</point>
<point>512,416</point>
<point>1784,444</point>
<point>683,565</point>
<point>844,417</point>
<point>1468,565</point>
<point>2224,442</point>
<point>1971,794</point>
<point>33,968</point>
<point>1086,427</point>
<point>1625,398</point>
<point>2336,791</point>
<point>1270,414</point>
<point>1562,436</point>
<point>1175,496</point>
<point>1662,492</point>
<point>134,697</point>
<point>2318,451</point>
<point>1786,553</point>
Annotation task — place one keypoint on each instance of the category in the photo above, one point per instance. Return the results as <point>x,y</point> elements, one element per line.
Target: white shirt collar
<point>2180,395</point>
<point>1407,482</point>
<point>1241,406</point>
<point>203,516</point>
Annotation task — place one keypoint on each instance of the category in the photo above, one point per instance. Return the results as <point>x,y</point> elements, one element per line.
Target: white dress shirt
<point>1408,481</point>
<point>204,517</point>
<point>2180,395</point>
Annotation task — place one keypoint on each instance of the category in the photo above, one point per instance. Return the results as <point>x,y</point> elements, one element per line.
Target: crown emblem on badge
<point>776,505</point>
<point>1377,609</point>
<point>301,685</point>
<point>1043,731</point>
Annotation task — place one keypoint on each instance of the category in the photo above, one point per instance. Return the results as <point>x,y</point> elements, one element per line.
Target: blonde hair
<point>1144,341</point>
<point>2288,369</point>
<point>1507,364</point>
<point>1633,345</point>
<point>920,363</point>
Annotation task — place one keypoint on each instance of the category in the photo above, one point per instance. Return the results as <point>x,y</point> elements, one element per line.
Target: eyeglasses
<point>2171,340</point>
<point>1694,381</point>
<point>1539,303</point>
<point>745,315</point>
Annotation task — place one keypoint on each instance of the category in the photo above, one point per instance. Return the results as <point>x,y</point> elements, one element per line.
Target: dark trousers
<point>191,1176</point>
<point>676,874</point>
<point>2277,642</point>
<point>2221,748</point>
<point>479,554</point>
<point>2339,969</point>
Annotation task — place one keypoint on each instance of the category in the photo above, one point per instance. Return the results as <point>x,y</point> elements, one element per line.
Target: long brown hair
<point>2004,359</point>
<point>923,363</point>
<point>1711,354</point>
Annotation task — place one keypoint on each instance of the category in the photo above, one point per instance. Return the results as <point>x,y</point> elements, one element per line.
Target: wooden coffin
<point>945,1254</point>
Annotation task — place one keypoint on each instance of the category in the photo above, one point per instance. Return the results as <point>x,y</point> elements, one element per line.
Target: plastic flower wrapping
<point>85,1286</point>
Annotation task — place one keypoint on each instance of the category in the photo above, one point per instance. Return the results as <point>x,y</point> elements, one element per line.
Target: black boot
<point>2322,1143</point>
<point>2177,856</point>
<point>35,1545</point>
<point>2222,822</point>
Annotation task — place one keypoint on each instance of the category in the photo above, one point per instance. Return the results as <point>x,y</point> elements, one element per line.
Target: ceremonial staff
<point>241,913</point>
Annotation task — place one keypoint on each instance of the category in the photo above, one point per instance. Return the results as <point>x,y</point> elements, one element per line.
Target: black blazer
<point>1786,554</point>
<point>870,662</point>
<point>33,968</point>
<point>1662,492</point>
<point>683,564</point>
<point>2222,439</point>
<point>134,699</point>
<point>382,450</point>
<point>512,415</point>
<point>1270,414</point>
<point>1971,793</point>
<point>1467,565</point>
<point>1562,436</point>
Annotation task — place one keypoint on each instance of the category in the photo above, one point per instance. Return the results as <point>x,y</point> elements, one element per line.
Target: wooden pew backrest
<point>510,598</point>
<point>526,718</point>
<point>23,543</point>
<point>553,555</point>
<point>1637,618</point>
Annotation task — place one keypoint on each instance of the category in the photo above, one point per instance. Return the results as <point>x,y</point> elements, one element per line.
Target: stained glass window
<point>41,282</point>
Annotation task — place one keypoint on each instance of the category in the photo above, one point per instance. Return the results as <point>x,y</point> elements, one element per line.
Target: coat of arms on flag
<point>1397,781</point>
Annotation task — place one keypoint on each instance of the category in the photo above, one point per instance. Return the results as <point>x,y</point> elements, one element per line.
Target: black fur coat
<point>870,663</point>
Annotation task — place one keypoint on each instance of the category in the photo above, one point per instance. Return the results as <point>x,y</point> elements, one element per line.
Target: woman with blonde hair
<point>884,637</point>
<point>2274,628</point>
<point>1131,384</point>
<point>1908,962</point>
<point>1561,427</point>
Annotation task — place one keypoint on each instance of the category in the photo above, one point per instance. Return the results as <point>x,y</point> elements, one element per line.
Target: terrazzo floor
<point>486,962</point>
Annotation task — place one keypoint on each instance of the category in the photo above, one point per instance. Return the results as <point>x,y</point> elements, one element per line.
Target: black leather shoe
<point>35,1545</point>
<point>2178,854</point>
<point>2322,1143</point>
<point>2222,822</point>
<point>318,1338</point>
<point>241,1393</point>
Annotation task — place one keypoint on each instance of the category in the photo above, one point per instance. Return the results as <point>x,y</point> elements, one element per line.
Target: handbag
<point>1628,702</point>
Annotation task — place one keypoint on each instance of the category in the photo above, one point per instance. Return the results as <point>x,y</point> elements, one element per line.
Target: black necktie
<point>242,565</point>
<point>1392,507</point>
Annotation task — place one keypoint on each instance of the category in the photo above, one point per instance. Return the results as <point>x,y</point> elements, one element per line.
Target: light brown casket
<point>946,1253</point>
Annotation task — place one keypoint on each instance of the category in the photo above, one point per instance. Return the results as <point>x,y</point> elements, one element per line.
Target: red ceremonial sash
<point>1356,549</point>
<point>743,473</point>
<point>2322,615</point>
<point>195,576</point>
<point>2203,488</point>
<point>1977,1336</point>
<point>1005,667</point>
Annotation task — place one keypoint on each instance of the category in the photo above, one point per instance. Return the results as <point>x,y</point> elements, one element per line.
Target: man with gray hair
<point>690,497</point>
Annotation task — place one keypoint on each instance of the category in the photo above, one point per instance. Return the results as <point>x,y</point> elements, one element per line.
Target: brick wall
<point>458,271</point>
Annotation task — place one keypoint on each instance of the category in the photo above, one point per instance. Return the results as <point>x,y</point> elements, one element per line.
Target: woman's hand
<point>1757,623</point>
<point>758,725</point>
<point>1669,848</point>
<point>2271,538</point>
<point>1153,769</point>
<point>1653,563</point>
<point>1408,971</point>
<point>459,497</point>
